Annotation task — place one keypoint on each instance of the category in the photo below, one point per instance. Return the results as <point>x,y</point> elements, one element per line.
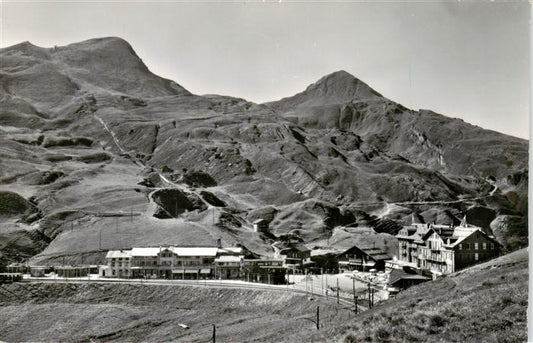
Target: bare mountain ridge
<point>338,154</point>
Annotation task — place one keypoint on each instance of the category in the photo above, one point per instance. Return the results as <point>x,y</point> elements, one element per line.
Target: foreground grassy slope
<point>486,303</point>
<point>151,313</point>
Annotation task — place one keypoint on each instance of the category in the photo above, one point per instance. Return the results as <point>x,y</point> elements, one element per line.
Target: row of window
<point>475,246</point>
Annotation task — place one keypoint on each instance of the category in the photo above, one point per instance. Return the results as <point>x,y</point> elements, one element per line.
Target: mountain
<point>100,154</point>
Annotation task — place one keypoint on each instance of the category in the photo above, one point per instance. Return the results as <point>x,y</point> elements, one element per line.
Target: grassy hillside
<point>486,303</point>
<point>151,313</point>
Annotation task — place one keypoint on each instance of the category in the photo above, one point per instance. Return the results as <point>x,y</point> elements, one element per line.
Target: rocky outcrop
<point>173,202</point>
<point>14,205</point>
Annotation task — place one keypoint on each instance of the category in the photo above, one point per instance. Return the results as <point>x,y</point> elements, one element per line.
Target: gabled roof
<point>372,252</point>
<point>192,251</point>
<point>444,231</point>
<point>118,254</point>
<point>465,235</point>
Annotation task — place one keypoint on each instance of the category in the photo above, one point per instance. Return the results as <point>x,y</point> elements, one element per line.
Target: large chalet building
<point>445,249</point>
<point>362,259</point>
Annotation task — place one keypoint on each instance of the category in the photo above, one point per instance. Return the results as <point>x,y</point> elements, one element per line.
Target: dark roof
<point>399,274</point>
<point>444,232</point>
<point>374,253</point>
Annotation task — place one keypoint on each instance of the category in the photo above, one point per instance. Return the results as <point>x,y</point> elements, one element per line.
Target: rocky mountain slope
<point>97,153</point>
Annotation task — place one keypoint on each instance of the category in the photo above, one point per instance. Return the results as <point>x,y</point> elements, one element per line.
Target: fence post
<point>318,318</point>
<point>369,300</point>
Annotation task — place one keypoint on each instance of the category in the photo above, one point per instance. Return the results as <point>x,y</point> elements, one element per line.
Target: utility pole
<point>312,286</point>
<point>306,283</point>
<point>326,287</point>
<point>354,296</point>
<point>318,317</point>
<point>338,291</point>
<point>214,334</point>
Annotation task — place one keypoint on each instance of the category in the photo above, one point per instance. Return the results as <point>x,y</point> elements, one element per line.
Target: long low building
<point>173,262</point>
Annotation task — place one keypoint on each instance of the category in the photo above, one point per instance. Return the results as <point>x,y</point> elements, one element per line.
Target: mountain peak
<point>336,88</point>
<point>341,86</point>
<point>112,64</point>
<point>340,74</point>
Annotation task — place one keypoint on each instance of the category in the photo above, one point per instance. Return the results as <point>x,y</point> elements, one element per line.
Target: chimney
<point>219,243</point>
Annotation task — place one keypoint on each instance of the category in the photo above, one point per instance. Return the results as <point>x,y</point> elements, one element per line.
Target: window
<point>476,246</point>
<point>476,256</point>
<point>492,246</point>
<point>467,246</point>
<point>460,247</point>
<point>484,246</point>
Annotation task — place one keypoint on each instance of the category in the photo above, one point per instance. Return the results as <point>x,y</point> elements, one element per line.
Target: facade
<point>445,249</point>
<point>295,256</point>
<point>118,264</point>
<point>72,271</point>
<point>325,261</point>
<point>270,271</point>
<point>229,267</point>
<point>39,271</point>
<point>362,259</point>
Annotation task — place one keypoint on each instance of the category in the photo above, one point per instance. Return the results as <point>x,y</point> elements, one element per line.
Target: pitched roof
<point>231,250</point>
<point>118,254</point>
<point>227,258</point>
<point>322,252</point>
<point>399,274</point>
<point>192,251</point>
<point>374,253</point>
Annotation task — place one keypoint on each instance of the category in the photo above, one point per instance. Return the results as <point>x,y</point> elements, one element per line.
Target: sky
<point>463,59</point>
